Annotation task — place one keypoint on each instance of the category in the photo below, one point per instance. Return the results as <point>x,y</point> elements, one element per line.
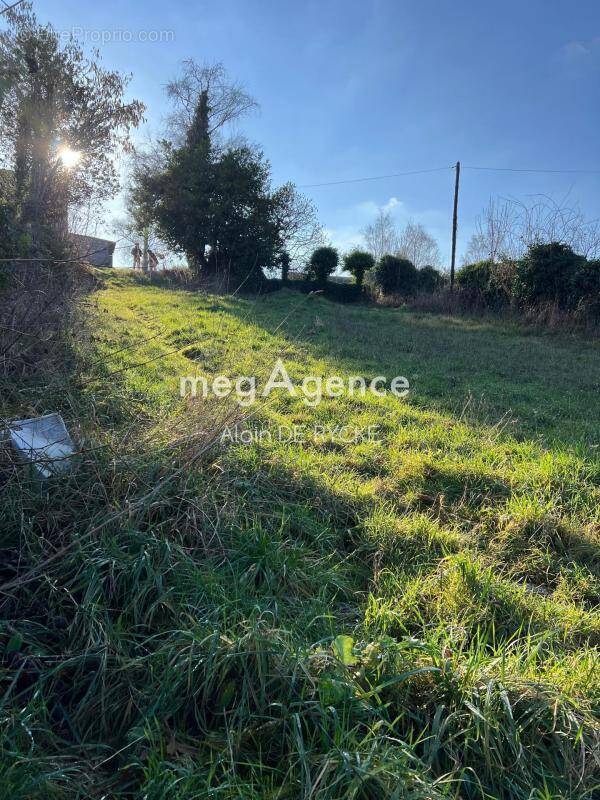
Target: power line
<point>444,169</point>
<point>9,8</point>
<point>374,177</point>
<point>550,171</point>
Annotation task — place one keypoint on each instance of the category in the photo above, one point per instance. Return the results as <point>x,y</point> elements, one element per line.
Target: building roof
<point>89,245</point>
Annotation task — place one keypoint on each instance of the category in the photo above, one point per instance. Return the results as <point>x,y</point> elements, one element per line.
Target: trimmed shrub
<point>430,279</point>
<point>322,264</point>
<point>547,274</point>
<point>394,275</point>
<point>358,263</point>
<point>407,277</point>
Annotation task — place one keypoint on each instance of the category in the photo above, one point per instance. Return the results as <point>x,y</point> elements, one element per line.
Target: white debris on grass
<point>44,442</point>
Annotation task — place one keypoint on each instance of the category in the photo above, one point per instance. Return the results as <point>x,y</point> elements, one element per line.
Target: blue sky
<point>367,87</point>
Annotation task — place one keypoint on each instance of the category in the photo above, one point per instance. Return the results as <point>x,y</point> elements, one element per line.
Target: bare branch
<point>227,100</point>
<point>381,236</point>
<point>418,246</point>
<point>508,227</point>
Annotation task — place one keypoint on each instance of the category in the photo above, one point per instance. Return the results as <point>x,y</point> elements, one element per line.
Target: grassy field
<point>410,617</point>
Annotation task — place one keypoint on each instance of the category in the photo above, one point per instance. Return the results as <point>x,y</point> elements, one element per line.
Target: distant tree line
<point>389,275</point>
<point>412,243</point>
<point>393,262</point>
<point>548,275</point>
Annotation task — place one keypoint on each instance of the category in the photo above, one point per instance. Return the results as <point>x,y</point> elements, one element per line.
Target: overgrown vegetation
<point>550,285</point>
<point>413,618</point>
<point>54,102</point>
<point>39,312</point>
<point>548,275</point>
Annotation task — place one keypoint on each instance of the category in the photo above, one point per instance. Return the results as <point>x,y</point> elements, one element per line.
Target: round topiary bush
<point>394,275</point>
<point>358,263</point>
<point>322,264</point>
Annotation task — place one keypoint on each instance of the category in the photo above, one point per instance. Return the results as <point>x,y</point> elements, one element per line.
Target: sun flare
<point>69,158</point>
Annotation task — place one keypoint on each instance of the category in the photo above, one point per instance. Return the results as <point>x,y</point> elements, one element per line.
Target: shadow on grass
<point>544,387</point>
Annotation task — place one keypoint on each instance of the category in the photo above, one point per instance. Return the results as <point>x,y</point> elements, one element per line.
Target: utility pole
<point>454,226</point>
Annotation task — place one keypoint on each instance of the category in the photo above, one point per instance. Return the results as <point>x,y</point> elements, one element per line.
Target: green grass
<point>415,618</point>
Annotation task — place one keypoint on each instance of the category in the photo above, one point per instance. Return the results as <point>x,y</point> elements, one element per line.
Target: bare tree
<point>496,233</point>
<point>227,100</point>
<point>477,249</point>
<point>501,223</point>
<point>381,236</point>
<point>418,246</point>
<point>137,226</point>
<point>508,227</point>
<point>545,220</point>
<point>299,227</point>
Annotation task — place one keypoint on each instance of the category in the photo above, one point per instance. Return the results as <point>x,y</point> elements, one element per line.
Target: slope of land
<point>410,617</point>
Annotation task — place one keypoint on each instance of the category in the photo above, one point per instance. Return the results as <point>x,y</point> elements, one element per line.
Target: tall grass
<point>546,316</point>
<point>184,620</point>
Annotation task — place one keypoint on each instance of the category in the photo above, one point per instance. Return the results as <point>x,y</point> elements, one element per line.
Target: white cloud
<point>344,238</point>
<point>391,204</point>
<point>581,50</point>
<point>368,209</point>
<point>349,234</point>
